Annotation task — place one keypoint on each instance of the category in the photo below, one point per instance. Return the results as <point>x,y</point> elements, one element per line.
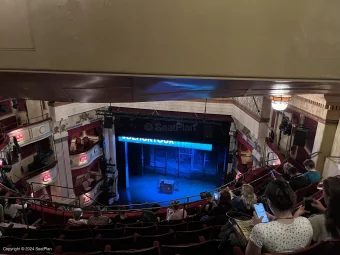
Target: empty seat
<point>40,242</point>
<point>147,241</point>
<point>195,225</point>
<point>107,226</point>
<point>70,227</point>
<point>152,230</point>
<point>199,248</point>
<point>183,237</point>
<point>147,251</point>
<point>115,244</point>
<point>175,227</point>
<point>49,226</point>
<point>109,233</point>
<point>88,178</point>
<point>76,245</point>
<point>42,233</point>
<point>15,232</point>
<point>7,241</point>
<point>135,224</point>
<point>75,234</point>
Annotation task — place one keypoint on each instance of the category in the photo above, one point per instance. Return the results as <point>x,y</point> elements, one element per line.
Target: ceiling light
<point>280,103</point>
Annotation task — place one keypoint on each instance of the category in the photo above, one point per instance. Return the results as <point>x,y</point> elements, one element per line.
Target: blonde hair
<point>286,167</point>
<point>248,196</point>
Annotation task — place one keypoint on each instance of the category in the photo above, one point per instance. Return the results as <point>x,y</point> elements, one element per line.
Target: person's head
<point>286,166</point>
<point>293,171</point>
<point>155,208</point>
<point>309,164</point>
<point>331,191</point>
<point>224,198</point>
<point>96,211</point>
<point>122,214</point>
<point>248,196</point>
<point>77,213</point>
<point>175,205</point>
<point>280,196</point>
<point>11,201</point>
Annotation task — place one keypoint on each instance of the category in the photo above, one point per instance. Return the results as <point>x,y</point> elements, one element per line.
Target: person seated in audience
<point>76,220</point>
<point>174,213</point>
<point>286,174</point>
<point>3,200</point>
<point>245,203</point>
<point>150,215</point>
<point>223,204</point>
<point>327,224</point>
<point>98,219</point>
<point>122,217</point>
<point>297,180</point>
<point>312,175</point>
<point>209,206</point>
<point>284,232</point>
<point>12,209</point>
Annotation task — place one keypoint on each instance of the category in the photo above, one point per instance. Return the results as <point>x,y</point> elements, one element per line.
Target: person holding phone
<point>174,213</point>
<point>327,224</point>
<point>283,232</point>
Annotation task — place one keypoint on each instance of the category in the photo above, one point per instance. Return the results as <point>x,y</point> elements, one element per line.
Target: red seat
<point>152,230</point>
<point>175,227</point>
<point>306,192</point>
<point>109,233</point>
<point>183,237</point>
<point>148,240</point>
<point>189,249</point>
<point>108,226</point>
<point>75,245</point>
<point>147,251</point>
<point>75,234</point>
<point>86,142</point>
<point>115,244</point>
<point>135,224</point>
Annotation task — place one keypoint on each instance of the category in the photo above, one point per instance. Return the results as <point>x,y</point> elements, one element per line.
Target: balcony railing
<point>85,158</point>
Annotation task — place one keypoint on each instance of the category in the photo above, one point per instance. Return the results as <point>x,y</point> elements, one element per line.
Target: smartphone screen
<point>260,211</point>
<point>170,212</point>
<point>273,175</point>
<point>216,196</point>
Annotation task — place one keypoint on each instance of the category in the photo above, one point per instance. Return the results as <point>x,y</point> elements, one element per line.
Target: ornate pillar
<point>110,154</point>
<point>64,176</point>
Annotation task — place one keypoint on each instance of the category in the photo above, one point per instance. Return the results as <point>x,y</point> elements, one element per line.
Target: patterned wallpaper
<point>249,103</point>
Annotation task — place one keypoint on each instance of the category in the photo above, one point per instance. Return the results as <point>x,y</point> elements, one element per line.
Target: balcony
<point>31,133</point>
<point>84,159</point>
<point>41,178</point>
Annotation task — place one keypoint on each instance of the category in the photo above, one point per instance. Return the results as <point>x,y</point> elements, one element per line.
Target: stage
<point>146,189</point>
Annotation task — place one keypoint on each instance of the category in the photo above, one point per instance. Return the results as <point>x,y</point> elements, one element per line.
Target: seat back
<point>147,241</point>
<point>39,242</point>
<point>75,245</point>
<point>151,230</point>
<point>147,251</point>
<point>175,227</point>
<point>15,232</point>
<point>70,227</point>
<point>199,248</point>
<point>183,237</point>
<point>109,233</point>
<point>8,241</point>
<point>76,234</point>
<point>306,192</point>
<point>49,226</point>
<point>43,233</point>
<point>115,243</point>
<point>135,224</point>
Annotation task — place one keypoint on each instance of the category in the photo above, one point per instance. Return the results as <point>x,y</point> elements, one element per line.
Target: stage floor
<point>146,189</point>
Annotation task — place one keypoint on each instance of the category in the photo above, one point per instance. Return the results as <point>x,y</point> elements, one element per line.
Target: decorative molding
<point>86,158</point>
<point>32,133</point>
<point>43,179</point>
<point>90,196</point>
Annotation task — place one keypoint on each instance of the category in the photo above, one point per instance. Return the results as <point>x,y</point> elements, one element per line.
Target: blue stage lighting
<point>170,143</point>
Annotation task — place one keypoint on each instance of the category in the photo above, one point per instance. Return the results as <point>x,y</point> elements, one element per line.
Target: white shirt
<point>278,237</point>
<point>13,209</point>
<point>177,215</point>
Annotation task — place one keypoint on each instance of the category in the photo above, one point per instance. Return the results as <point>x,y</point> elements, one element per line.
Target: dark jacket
<point>298,182</point>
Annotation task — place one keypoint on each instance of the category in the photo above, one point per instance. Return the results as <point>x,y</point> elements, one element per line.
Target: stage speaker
<point>208,131</point>
<point>108,122</point>
<point>300,137</point>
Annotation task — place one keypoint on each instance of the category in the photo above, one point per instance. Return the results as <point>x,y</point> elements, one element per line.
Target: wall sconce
<point>19,137</point>
<point>83,159</point>
<point>87,197</point>
<point>46,178</point>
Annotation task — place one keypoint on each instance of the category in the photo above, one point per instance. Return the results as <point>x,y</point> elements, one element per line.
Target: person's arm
<point>256,241</point>
<point>252,249</point>
<point>301,211</point>
<point>318,205</point>
<point>17,206</point>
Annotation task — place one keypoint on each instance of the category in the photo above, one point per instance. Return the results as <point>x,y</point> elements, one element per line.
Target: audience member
<point>208,207</point>
<point>283,233</point>
<point>174,213</point>
<point>246,201</point>
<point>122,217</point>
<point>326,225</point>
<point>312,175</point>
<point>12,209</point>
<point>76,220</point>
<point>223,204</point>
<point>3,200</point>
<point>98,219</point>
<point>150,215</point>
<point>286,174</point>
<point>297,180</point>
